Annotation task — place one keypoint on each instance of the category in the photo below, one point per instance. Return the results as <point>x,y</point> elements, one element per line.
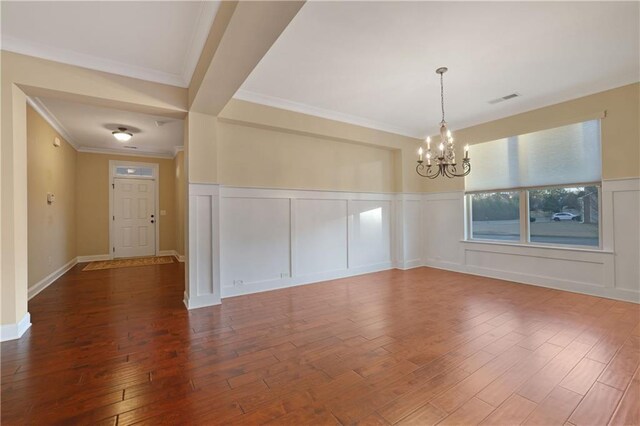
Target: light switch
<point>163,212</point>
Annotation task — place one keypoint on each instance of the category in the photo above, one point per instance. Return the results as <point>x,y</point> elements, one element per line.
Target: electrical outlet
<point>284,275</point>
<point>238,282</point>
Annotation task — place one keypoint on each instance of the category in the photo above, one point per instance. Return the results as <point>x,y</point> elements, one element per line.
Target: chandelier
<point>444,162</point>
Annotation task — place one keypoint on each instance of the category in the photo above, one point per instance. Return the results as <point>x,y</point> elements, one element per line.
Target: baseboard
<point>46,281</point>
<point>276,284</point>
<point>15,331</point>
<point>174,253</point>
<point>196,302</point>
<point>93,258</point>
<point>410,264</point>
<point>545,282</point>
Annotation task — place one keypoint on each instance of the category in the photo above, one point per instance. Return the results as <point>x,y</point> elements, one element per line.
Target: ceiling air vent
<point>504,98</point>
<point>130,147</point>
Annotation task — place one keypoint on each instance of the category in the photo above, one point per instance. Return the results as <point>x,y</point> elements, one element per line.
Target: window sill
<point>537,246</point>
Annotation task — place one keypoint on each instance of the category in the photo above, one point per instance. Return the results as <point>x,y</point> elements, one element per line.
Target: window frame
<point>525,224</point>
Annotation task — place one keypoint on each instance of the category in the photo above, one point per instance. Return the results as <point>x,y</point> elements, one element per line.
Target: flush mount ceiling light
<point>121,134</point>
<point>445,160</point>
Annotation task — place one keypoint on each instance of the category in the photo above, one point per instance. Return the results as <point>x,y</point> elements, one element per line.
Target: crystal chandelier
<point>444,163</point>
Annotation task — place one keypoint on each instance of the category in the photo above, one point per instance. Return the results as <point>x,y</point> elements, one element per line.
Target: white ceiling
<point>158,41</point>
<point>373,63</point>
<point>88,128</point>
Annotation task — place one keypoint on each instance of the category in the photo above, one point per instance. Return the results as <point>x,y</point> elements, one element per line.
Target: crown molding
<point>44,112</point>
<point>208,12</point>
<point>125,152</point>
<point>272,101</point>
<point>95,63</point>
<point>177,149</point>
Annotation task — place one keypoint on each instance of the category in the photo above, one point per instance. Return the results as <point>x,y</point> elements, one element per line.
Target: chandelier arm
<point>426,171</point>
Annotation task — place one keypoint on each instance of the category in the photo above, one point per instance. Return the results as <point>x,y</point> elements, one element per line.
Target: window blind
<point>559,156</point>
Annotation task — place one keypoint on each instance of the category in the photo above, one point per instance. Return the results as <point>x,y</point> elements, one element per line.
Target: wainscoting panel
<point>255,242</point>
<point>275,238</point>
<point>320,236</point>
<point>611,272</point>
<point>370,233</point>
<point>412,236</point>
<point>443,227</point>
<point>626,207</point>
<point>546,267</point>
<point>203,271</point>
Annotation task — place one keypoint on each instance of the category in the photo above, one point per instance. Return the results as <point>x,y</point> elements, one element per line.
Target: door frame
<point>113,164</point>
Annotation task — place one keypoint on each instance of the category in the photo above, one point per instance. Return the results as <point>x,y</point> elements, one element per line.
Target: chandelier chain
<point>442,95</point>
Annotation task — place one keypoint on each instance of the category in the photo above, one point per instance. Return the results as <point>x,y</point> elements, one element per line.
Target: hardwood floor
<point>417,347</point>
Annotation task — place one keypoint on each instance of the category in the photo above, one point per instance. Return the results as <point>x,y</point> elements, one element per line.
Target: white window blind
<point>563,155</point>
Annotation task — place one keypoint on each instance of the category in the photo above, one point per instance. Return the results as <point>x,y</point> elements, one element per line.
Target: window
<point>565,215</point>
<point>495,216</point>
<point>134,171</point>
<point>543,176</point>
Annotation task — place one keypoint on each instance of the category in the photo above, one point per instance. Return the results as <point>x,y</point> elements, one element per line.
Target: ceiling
<point>373,63</point>
<point>154,41</point>
<point>88,128</point>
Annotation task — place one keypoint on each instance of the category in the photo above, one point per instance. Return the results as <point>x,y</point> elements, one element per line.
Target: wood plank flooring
<point>414,347</point>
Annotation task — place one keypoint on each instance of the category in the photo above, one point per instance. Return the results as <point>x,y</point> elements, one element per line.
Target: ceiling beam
<point>240,36</point>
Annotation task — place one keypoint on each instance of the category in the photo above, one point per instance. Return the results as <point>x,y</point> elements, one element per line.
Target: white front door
<point>134,217</point>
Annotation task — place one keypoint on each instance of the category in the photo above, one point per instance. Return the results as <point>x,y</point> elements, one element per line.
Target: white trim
<point>201,301</point>
<point>180,258</point>
<point>15,331</point>
<point>177,149</point>
<point>562,285</point>
<point>571,248</point>
<point>126,152</point>
<point>209,10</point>
<point>248,192</point>
<point>262,286</point>
<point>46,281</point>
<point>93,258</point>
<point>113,164</point>
<point>92,62</point>
<point>44,112</point>
<point>272,101</point>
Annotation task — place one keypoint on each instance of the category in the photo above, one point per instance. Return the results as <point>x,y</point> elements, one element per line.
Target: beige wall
<point>180,200</point>
<point>262,146</point>
<point>51,227</point>
<point>620,131</point>
<point>256,157</point>
<point>93,201</point>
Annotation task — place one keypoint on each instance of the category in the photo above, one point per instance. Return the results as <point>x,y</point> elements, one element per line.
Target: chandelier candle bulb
<point>441,147</point>
<point>428,143</point>
<point>466,152</point>
<point>420,151</point>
